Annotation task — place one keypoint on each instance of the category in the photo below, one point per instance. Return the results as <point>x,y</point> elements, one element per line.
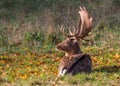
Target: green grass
<point>29,64</point>
<point>39,68</point>
<point>96,78</point>
<point>28,37</point>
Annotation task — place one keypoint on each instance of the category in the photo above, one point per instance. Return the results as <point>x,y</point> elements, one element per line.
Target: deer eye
<point>71,39</point>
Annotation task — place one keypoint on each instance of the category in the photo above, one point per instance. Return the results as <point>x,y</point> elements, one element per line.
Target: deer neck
<point>73,52</point>
<point>76,49</point>
<point>71,55</point>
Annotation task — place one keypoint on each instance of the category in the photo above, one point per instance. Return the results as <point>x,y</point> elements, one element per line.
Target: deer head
<point>70,45</point>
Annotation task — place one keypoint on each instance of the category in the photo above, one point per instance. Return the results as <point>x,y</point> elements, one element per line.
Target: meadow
<point>29,68</point>
<point>30,30</point>
<point>28,65</point>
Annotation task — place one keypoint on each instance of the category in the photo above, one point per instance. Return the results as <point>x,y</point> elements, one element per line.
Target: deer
<point>75,61</point>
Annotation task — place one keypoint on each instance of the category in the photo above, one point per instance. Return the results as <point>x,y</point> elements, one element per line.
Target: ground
<point>40,68</point>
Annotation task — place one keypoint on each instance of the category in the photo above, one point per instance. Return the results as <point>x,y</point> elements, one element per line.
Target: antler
<point>84,26</point>
<point>70,32</point>
<point>85,23</point>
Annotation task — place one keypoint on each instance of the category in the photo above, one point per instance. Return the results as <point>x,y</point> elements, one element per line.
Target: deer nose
<point>57,47</point>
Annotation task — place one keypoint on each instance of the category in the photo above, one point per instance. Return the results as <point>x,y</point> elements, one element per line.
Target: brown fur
<point>74,60</point>
<point>81,62</point>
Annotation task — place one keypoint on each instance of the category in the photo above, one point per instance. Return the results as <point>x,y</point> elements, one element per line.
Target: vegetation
<point>30,29</point>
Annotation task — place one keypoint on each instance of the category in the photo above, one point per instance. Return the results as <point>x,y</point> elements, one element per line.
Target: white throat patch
<point>66,54</point>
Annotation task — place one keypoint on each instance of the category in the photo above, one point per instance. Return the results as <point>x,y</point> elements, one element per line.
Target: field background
<point>30,30</point>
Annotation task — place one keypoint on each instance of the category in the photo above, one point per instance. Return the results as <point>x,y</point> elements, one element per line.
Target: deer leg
<point>62,70</point>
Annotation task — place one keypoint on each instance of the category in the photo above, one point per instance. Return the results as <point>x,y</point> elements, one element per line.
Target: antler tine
<point>62,30</point>
<point>81,8</point>
<point>73,32</point>
<point>84,8</point>
<point>70,31</point>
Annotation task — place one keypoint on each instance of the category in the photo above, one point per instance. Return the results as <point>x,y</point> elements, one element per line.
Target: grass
<point>35,62</point>
<point>27,35</point>
<point>39,68</point>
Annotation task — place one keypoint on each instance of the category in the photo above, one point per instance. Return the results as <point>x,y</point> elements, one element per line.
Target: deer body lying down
<point>74,60</point>
<point>81,63</point>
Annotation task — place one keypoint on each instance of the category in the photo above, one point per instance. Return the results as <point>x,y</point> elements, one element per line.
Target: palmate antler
<point>85,23</point>
<point>84,26</point>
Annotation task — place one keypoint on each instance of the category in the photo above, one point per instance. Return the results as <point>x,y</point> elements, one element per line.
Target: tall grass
<point>37,23</point>
<point>30,29</point>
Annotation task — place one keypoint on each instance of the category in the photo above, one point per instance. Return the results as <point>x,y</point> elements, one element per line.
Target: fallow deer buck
<point>74,60</point>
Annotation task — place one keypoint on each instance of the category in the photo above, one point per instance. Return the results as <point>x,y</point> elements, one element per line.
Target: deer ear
<point>91,19</point>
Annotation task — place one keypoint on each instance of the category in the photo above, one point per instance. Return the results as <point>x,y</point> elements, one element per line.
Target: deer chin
<point>56,49</point>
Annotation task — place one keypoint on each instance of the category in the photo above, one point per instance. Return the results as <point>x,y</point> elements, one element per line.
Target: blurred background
<point>35,24</point>
<point>30,30</point>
